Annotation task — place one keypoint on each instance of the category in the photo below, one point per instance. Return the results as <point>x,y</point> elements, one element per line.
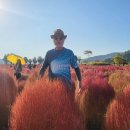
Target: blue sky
<point>102,26</point>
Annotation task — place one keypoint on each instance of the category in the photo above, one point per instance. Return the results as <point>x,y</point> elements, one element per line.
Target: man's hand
<point>80,87</point>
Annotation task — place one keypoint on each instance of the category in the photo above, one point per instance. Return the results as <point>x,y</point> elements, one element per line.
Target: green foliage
<point>30,61</point>
<point>88,52</point>
<point>5,59</point>
<point>34,60</point>
<point>79,59</point>
<point>26,59</point>
<point>40,60</point>
<point>126,56</point>
<point>98,63</point>
<point>109,60</point>
<point>118,60</point>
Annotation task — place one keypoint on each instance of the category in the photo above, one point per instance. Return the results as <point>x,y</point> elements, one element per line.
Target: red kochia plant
<point>21,83</point>
<point>119,80</point>
<point>46,106</point>
<point>93,101</point>
<point>118,114</point>
<point>7,96</point>
<point>32,79</point>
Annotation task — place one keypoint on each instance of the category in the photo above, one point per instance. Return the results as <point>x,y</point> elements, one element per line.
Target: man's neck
<point>59,48</point>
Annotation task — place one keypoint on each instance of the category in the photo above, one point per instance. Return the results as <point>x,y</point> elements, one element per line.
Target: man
<point>60,59</point>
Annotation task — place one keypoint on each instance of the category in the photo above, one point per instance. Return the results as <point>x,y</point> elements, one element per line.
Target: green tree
<point>40,60</point>
<point>118,60</point>
<point>30,61</point>
<point>26,59</point>
<point>34,60</point>
<point>88,53</point>
<point>5,59</point>
<point>79,59</point>
<point>126,55</point>
<point>109,60</point>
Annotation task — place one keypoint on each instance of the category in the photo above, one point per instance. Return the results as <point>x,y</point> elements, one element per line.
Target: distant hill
<point>126,55</point>
<point>101,57</point>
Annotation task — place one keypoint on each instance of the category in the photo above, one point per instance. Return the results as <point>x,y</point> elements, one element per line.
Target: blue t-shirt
<point>59,62</point>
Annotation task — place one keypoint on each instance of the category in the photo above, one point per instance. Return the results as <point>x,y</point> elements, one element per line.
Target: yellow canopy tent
<point>13,59</point>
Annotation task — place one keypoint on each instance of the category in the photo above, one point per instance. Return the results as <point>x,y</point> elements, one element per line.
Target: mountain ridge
<point>101,57</point>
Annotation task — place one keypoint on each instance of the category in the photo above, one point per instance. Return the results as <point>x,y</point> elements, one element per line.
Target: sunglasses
<point>58,38</point>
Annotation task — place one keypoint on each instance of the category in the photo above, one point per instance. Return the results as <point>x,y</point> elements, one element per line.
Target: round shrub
<point>46,106</point>
<point>8,93</point>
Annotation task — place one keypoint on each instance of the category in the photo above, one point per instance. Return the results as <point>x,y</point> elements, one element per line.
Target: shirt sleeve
<point>73,61</point>
<point>78,73</point>
<point>44,66</point>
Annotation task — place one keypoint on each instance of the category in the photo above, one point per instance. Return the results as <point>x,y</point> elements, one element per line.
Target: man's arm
<point>75,66</point>
<point>78,74</point>
<point>44,66</point>
<point>77,71</point>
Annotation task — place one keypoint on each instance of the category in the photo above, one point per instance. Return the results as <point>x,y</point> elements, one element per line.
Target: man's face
<point>59,42</point>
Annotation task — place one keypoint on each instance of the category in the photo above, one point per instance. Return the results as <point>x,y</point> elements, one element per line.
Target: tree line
<point>35,60</point>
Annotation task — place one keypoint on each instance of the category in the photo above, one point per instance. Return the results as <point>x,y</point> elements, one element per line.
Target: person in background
<point>18,69</point>
<point>60,59</point>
